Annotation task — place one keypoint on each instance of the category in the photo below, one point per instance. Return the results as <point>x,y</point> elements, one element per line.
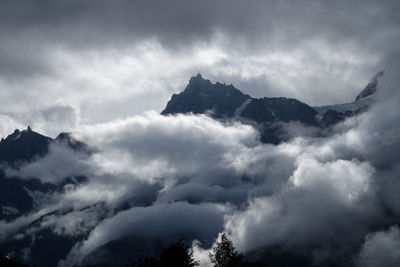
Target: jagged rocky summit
<point>225,102</point>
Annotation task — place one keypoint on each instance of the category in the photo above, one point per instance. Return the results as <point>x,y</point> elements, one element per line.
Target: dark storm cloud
<point>381,249</point>
<point>100,55</point>
<point>177,20</point>
<point>29,28</point>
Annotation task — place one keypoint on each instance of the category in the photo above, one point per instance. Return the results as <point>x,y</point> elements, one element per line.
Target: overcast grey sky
<point>69,63</point>
<point>95,67</point>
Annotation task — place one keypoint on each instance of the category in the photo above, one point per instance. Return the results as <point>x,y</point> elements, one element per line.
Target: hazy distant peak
<point>371,87</point>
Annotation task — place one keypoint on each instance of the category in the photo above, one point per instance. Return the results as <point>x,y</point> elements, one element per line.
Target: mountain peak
<point>371,87</point>
<point>23,145</point>
<point>198,81</point>
<point>18,134</point>
<point>202,96</point>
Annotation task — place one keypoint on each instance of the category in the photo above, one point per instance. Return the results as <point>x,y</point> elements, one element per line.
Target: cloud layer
<point>331,199</point>
<point>93,67</point>
<point>93,56</point>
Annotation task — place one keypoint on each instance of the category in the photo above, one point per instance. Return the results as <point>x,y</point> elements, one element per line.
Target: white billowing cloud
<point>316,195</point>
<point>60,163</point>
<point>8,125</point>
<point>347,179</point>
<point>312,193</point>
<point>381,249</point>
<point>148,147</point>
<point>49,120</point>
<point>201,255</point>
<point>55,119</point>
<point>84,85</point>
<point>155,146</point>
<point>309,72</point>
<point>74,223</point>
<point>154,150</point>
<point>197,159</point>
<point>334,189</point>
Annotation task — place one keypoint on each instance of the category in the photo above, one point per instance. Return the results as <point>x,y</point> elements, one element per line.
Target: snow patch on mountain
<point>371,87</point>
<point>240,109</point>
<point>352,106</point>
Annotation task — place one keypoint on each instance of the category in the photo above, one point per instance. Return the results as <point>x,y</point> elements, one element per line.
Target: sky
<point>65,64</point>
<point>104,70</point>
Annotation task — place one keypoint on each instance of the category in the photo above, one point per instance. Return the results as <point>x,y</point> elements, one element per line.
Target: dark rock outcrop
<point>201,96</point>
<point>279,109</point>
<point>20,196</point>
<point>23,146</point>
<point>225,102</point>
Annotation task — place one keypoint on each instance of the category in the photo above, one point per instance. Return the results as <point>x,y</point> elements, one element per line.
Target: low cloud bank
<point>328,198</point>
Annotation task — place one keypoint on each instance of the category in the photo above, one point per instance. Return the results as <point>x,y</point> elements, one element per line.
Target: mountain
<point>20,196</point>
<point>225,102</point>
<point>268,114</point>
<point>201,96</point>
<point>23,146</point>
<point>68,140</point>
<point>371,87</point>
<point>27,145</point>
<point>278,109</point>
<point>333,114</point>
